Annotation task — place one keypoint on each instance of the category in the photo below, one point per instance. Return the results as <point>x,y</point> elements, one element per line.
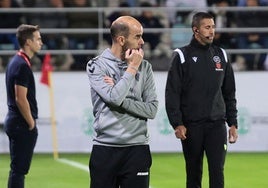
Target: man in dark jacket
<point>200,99</point>
<point>20,121</point>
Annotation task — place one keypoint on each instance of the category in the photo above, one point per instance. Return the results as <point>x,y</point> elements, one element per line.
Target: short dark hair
<point>25,32</point>
<point>119,29</point>
<point>200,16</point>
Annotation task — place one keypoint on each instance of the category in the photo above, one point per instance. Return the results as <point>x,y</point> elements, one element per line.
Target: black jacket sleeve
<point>228,91</point>
<point>173,91</point>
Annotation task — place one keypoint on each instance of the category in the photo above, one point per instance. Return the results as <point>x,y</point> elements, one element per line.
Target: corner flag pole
<point>46,78</point>
<point>53,119</point>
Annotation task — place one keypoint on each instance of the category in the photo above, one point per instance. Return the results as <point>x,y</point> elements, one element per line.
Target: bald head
<point>122,26</point>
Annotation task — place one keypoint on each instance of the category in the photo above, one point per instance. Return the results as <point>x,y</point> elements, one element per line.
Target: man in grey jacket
<point>124,98</point>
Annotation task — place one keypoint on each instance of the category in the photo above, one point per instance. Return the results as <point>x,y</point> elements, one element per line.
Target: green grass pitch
<point>242,170</point>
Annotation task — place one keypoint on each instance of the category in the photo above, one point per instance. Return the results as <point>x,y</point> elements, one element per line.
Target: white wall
<point>73,111</point>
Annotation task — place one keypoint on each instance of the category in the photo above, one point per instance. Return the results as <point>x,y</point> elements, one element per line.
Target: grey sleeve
<point>113,95</point>
<point>147,108</point>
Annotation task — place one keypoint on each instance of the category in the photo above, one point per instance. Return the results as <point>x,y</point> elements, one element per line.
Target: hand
<point>109,80</point>
<point>134,57</point>
<point>232,134</point>
<point>32,125</point>
<point>180,132</point>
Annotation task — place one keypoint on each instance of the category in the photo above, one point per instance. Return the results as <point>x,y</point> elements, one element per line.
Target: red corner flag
<point>46,69</point>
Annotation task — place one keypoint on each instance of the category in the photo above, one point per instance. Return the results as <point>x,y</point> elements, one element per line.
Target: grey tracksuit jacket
<point>121,111</point>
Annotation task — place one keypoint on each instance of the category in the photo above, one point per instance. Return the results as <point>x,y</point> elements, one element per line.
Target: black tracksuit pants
<point>124,167</point>
<point>209,138</point>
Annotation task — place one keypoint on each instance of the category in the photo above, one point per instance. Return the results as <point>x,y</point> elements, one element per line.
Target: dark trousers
<point>124,167</point>
<point>21,145</point>
<point>209,138</point>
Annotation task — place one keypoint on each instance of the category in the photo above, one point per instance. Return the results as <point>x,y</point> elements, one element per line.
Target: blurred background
<point>74,31</point>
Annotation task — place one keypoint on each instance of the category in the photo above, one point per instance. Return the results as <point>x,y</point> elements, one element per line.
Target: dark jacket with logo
<point>200,86</point>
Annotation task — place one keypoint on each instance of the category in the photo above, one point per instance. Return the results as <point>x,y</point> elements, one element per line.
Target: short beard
<point>124,49</point>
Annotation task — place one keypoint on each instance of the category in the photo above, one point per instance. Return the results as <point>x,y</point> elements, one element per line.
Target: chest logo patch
<point>194,58</point>
<point>217,62</point>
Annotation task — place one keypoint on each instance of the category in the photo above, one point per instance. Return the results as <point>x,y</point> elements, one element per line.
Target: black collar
<point>197,44</point>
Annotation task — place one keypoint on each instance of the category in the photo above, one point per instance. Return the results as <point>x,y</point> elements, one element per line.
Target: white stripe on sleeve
<point>180,54</point>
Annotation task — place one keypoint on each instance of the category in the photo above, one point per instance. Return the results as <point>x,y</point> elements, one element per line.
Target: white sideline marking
<point>74,164</point>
